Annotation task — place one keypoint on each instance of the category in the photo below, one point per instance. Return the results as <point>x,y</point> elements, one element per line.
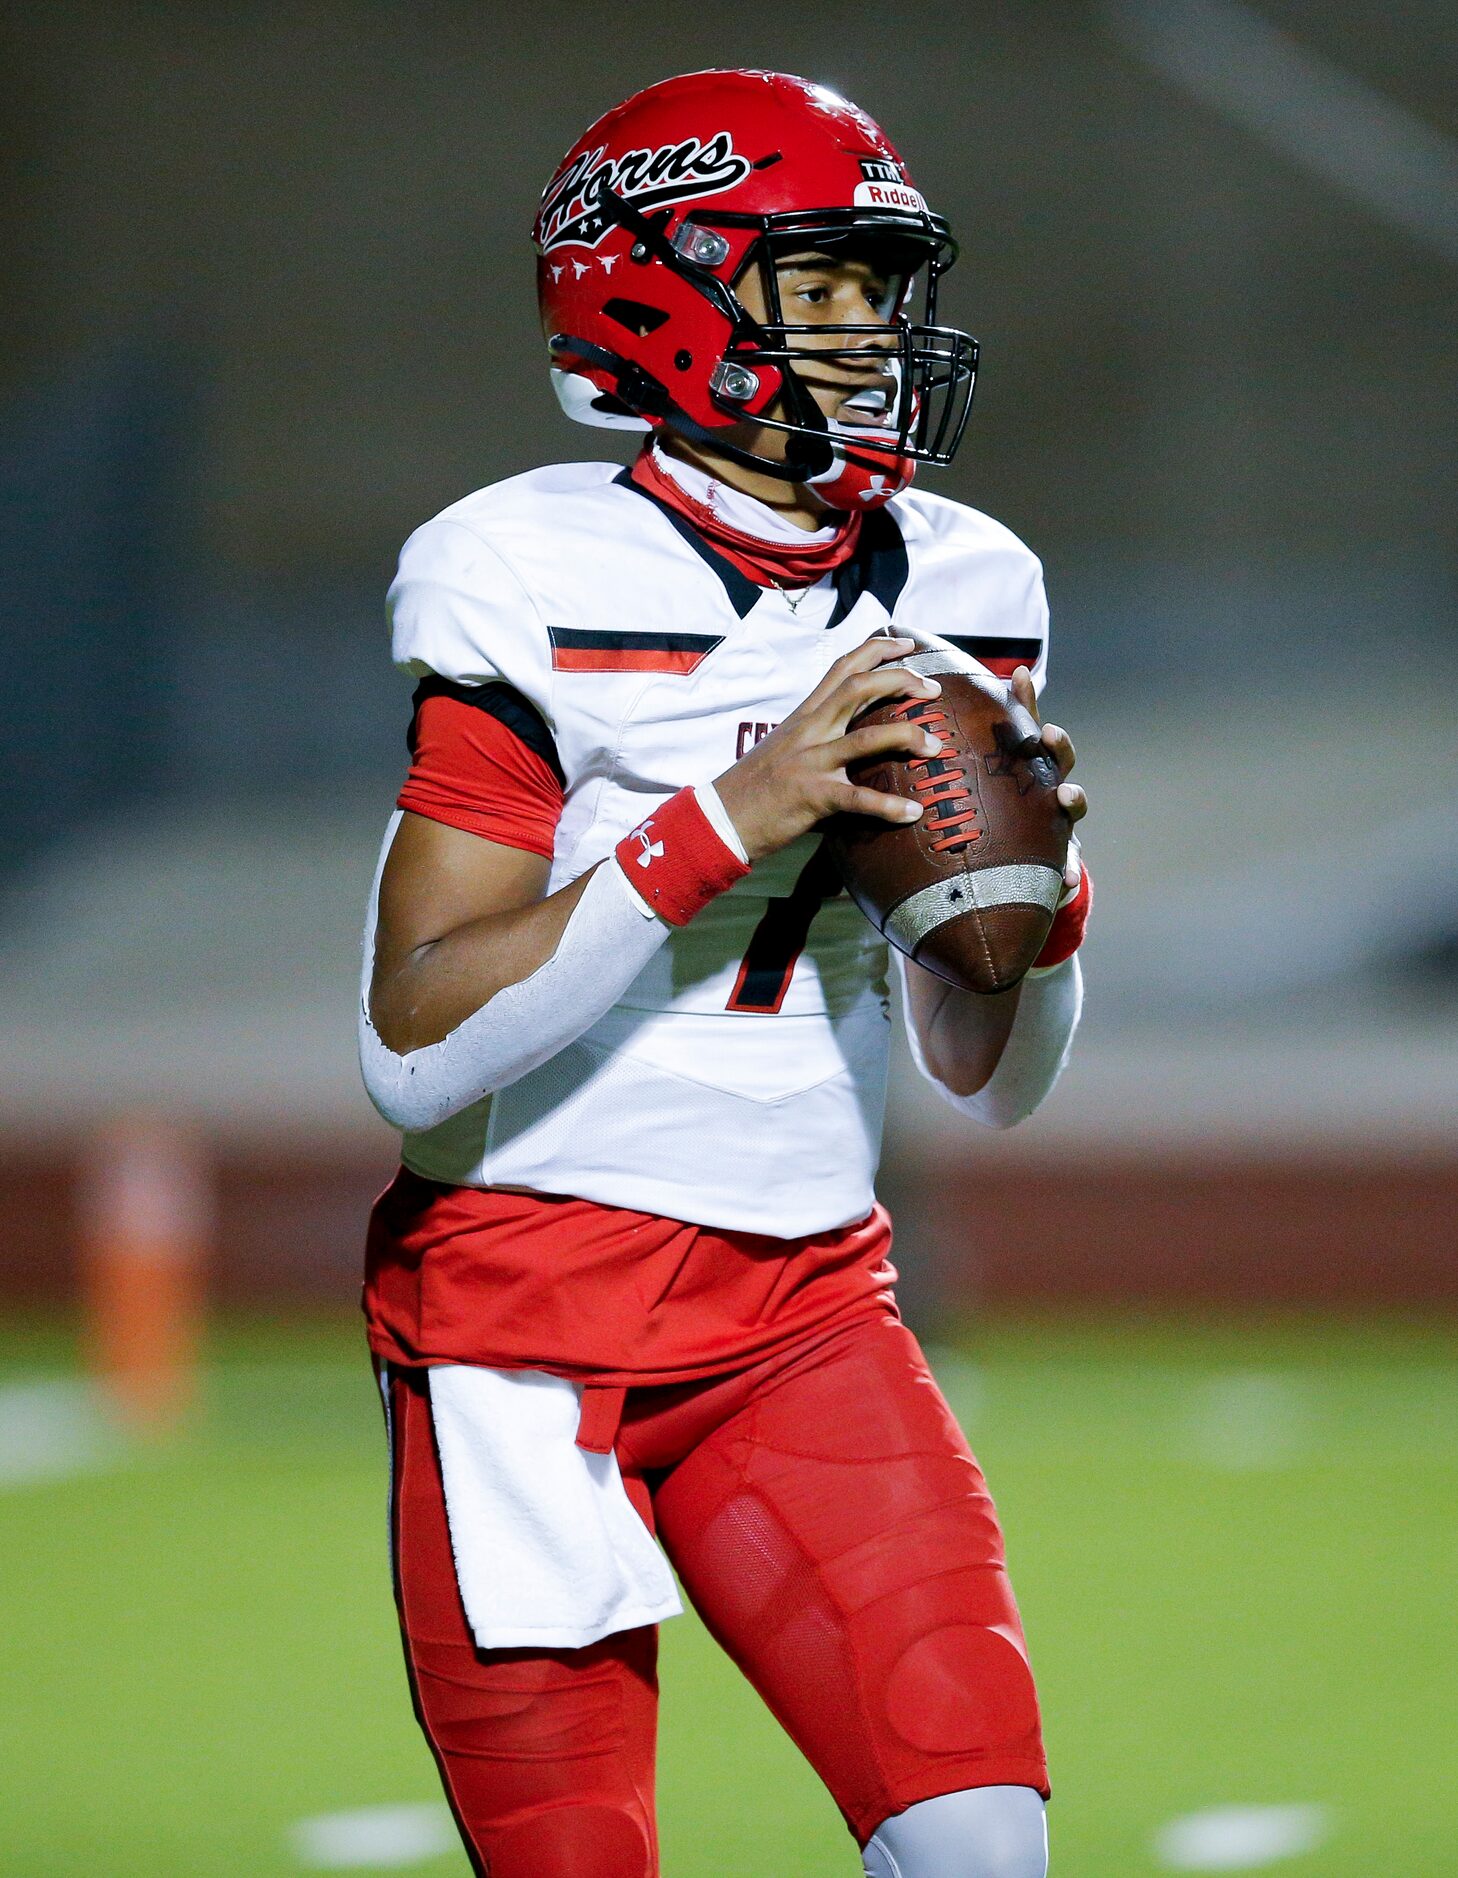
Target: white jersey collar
<point>734,508</point>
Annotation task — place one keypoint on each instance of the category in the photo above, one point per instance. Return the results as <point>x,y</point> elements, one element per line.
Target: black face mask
<point>934,370</point>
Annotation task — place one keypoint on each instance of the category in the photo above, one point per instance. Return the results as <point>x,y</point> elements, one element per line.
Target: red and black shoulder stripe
<point>586,649</point>
<point>1001,654</point>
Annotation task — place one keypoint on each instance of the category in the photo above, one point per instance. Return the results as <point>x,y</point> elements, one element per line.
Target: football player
<point>632,1278</point>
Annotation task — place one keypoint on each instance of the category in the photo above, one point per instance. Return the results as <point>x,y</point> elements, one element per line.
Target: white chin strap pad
<point>578,397</point>
<point>982,1832</point>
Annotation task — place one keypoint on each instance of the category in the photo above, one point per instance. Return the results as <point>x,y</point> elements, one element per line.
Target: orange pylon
<point>145,1221</point>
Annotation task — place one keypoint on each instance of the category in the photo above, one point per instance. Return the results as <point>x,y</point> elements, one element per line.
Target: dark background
<point>268,305</point>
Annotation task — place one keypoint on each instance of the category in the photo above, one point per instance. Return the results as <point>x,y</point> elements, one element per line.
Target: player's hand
<point>796,776</point>
<point>1059,746</point>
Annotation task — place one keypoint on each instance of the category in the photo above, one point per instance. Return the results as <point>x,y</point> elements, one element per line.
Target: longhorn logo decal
<point>674,172</point>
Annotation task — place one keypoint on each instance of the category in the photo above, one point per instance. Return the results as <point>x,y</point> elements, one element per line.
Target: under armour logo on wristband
<point>675,884</point>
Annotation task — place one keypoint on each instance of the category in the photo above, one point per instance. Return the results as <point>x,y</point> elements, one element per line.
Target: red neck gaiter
<point>766,563</point>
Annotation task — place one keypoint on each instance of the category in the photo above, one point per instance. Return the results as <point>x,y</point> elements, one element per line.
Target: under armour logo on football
<point>877,488</point>
<point>651,849</point>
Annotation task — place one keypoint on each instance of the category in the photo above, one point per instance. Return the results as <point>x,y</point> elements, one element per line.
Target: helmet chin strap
<point>826,462</point>
<point>645,394</point>
<point>846,478</point>
<point>793,468</point>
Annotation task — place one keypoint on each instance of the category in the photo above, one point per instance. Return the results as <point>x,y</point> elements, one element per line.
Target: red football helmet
<point>660,208</point>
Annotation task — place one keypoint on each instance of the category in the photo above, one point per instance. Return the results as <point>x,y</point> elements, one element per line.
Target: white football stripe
<point>1240,1838</point>
<point>1248,1420</point>
<point>51,1428</point>
<point>374,1837</point>
<point>1021,884</point>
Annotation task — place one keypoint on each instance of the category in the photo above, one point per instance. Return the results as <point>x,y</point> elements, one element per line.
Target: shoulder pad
<point>973,582</point>
<point>459,610</point>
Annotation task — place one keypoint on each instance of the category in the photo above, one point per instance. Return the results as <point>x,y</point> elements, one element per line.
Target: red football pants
<point>830,1525</point>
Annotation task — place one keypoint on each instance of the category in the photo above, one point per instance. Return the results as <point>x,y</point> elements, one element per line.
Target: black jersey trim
<point>583,637</point>
<point>501,701</point>
<point>990,646</point>
<point>878,567</point>
<point>743,593</point>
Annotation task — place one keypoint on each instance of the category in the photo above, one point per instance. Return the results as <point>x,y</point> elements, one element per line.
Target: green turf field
<point>1235,1551</point>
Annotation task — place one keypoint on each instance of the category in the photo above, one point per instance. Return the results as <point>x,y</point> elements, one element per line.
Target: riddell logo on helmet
<point>674,172</point>
<point>885,187</point>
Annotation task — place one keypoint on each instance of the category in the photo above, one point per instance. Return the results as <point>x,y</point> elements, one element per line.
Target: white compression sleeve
<point>980,1832</point>
<point>1035,1052</point>
<point>608,939</point>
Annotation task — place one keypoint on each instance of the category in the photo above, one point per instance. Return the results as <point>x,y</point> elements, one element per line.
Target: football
<point>970,890</point>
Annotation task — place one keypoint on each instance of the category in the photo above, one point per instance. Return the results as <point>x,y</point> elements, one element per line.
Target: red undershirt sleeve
<point>472,771</point>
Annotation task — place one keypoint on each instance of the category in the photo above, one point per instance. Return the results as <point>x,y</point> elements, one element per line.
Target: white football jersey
<point>739,1082</point>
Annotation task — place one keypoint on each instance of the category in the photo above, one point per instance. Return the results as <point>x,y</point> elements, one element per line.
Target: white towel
<point>549,1550</point>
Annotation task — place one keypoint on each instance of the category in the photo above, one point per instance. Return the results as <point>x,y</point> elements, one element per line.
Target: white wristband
<point>717,817</point>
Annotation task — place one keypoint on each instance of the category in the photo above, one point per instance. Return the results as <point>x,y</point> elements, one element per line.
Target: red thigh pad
<point>838,1538</point>
<point>585,1840</point>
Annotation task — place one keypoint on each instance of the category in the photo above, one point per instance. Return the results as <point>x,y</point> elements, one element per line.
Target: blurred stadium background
<point>269,306</point>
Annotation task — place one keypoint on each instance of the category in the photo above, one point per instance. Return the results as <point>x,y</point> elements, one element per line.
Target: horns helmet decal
<point>661,210</point>
<point>647,178</point>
